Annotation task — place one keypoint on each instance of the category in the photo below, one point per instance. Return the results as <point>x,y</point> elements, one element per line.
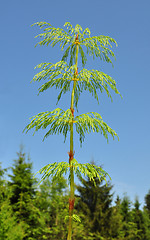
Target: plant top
<point>63,76</point>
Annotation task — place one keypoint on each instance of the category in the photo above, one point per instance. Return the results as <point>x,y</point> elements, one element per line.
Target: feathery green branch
<point>58,122</point>
<point>92,122</point>
<point>57,170</point>
<point>97,46</point>
<point>60,75</point>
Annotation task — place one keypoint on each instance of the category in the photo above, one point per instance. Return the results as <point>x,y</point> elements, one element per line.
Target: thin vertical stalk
<point>71,153</point>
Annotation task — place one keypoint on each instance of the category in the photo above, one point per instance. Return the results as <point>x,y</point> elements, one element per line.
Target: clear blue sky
<point>127,161</point>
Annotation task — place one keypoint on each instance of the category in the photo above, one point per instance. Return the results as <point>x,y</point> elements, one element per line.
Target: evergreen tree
<point>147,202</point>
<point>9,228</point>
<point>52,202</point>
<point>2,185</point>
<point>95,204</point>
<point>22,185</point>
<point>130,229</point>
<point>22,197</point>
<point>116,221</point>
<point>125,212</point>
<point>1,175</point>
<point>4,189</point>
<point>138,220</point>
<point>146,215</point>
<point>146,224</point>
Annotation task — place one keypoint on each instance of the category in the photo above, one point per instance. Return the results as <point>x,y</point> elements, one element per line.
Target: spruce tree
<point>23,191</point>
<point>116,224</point>
<point>146,215</point>
<point>129,227</point>
<point>3,187</point>
<point>52,201</point>
<point>95,205</point>
<point>125,208</point>
<point>66,75</point>
<point>147,202</point>
<point>146,224</point>
<point>10,229</point>
<point>138,220</point>
<point>22,184</point>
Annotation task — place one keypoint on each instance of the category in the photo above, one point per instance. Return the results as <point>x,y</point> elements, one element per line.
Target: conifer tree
<point>9,227</point>
<point>1,175</point>
<point>129,227</point>
<point>65,76</point>
<point>22,183</point>
<point>146,215</point>
<point>116,224</point>
<point>52,202</point>
<point>138,220</point>
<point>147,202</point>
<point>125,208</point>
<point>146,224</point>
<point>23,191</point>
<point>95,204</point>
<point>3,189</point>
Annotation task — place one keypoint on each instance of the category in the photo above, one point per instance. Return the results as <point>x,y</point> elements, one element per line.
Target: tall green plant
<point>65,76</point>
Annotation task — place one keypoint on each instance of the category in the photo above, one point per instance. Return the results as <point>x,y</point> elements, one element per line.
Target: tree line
<point>30,211</point>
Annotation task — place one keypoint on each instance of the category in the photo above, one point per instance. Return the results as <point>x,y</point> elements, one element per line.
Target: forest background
<point>127,162</point>
<point>29,211</point>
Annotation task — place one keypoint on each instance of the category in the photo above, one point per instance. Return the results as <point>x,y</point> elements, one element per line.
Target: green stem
<point>71,199</point>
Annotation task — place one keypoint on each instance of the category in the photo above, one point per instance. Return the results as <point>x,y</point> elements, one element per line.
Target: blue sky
<point>126,161</point>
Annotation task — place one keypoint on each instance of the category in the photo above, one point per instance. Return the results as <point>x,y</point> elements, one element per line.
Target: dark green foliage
<point>95,204</point>
<point>125,208</point>
<point>146,218</point>
<point>138,219</point>
<point>53,204</point>
<point>22,187</point>
<point>10,229</point>
<point>146,215</point>
<point>3,187</point>
<point>22,183</point>
<point>132,222</point>
<point>116,225</point>
<point>2,171</point>
<point>47,208</point>
<point>147,202</point>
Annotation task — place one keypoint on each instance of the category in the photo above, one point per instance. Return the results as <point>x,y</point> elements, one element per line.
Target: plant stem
<point>71,153</point>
